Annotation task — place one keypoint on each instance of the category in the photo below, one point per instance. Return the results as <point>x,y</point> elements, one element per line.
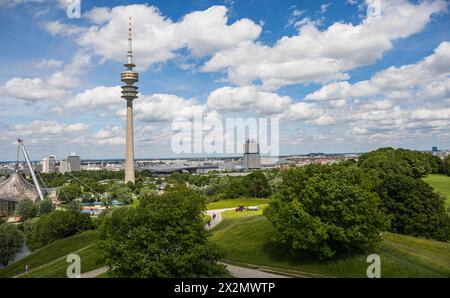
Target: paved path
<point>238,271</point>
<point>242,272</point>
<point>94,273</point>
<point>218,219</point>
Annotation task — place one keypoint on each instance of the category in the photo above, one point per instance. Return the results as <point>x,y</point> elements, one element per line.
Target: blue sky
<point>336,77</point>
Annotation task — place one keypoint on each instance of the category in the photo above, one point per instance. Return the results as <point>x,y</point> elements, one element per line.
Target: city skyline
<point>379,88</point>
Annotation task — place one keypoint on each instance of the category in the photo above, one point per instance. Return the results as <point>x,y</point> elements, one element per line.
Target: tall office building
<point>49,164</point>
<point>71,164</point>
<point>129,93</point>
<point>252,159</point>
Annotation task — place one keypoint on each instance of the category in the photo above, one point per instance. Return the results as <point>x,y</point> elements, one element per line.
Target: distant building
<point>49,164</point>
<point>434,149</point>
<point>71,164</point>
<point>251,159</point>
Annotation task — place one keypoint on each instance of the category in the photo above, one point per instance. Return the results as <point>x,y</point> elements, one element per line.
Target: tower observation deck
<point>129,93</point>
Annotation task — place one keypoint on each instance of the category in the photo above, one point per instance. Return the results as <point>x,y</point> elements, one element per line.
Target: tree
<point>11,241</point>
<point>163,237</point>
<point>120,193</point>
<point>258,186</point>
<point>56,225</point>
<point>26,209</point>
<point>69,192</point>
<point>324,210</point>
<point>45,206</point>
<point>445,167</point>
<point>414,208</point>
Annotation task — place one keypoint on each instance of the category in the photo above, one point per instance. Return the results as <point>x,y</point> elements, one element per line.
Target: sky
<point>338,76</point>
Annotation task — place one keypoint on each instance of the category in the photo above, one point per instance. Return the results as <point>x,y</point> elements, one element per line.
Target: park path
<point>238,271</point>
<point>218,219</point>
<point>94,273</point>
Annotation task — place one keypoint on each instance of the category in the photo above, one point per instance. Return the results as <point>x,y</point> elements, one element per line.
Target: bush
<point>26,209</point>
<point>56,225</point>
<point>322,211</point>
<point>11,242</point>
<point>163,237</point>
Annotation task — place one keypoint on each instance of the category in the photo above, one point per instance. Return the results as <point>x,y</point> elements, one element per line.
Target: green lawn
<point>233,214</point>
<point>236,202</point>
<point>248,240</point>
<point>50,253</point>
<point>441,184</point>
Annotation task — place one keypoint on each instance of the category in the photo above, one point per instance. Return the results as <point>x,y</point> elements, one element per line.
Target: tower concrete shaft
<point>129,143</point>
<point>129,93</point>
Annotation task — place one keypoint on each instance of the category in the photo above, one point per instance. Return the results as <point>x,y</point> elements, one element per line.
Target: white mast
<point>27,158</point>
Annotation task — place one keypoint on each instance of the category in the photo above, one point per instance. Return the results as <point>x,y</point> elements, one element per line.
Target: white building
<point>49,164</point>
<point>71,164</point>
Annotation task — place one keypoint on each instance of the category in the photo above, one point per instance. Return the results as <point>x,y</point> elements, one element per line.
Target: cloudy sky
<point>339,75</point>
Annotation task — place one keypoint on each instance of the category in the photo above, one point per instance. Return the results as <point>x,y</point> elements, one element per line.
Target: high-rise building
<point>49,164</point>
<point>129,93</point>
<point>252,159</point>
<point>71,164</point>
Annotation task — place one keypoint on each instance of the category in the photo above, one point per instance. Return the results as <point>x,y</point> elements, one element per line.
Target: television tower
<point>129,93</point>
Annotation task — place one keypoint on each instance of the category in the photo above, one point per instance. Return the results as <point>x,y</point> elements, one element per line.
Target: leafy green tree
<point>388,161</point>
<point>258,186</point>
<point>445,167</point>
<point>26,209</point>
<point>120,193</point>
<point>69,192</point>
<point>45,206</point>
<point>11,241</point>
<point>324,210</point>
<point>414,208</point>
<point>56,225</point>
<point>163,237</point>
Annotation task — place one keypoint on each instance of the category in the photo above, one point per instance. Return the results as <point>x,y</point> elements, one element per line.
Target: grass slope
<point>89,261</point>
<point>441,184</point>
<point>236,202</point>
<point>248,240</point>
<point>50,253</point>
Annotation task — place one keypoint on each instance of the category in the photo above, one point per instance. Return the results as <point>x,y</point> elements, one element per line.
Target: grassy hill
<point>49,261</point>
<point>441,183</point>
<point>248,240</point>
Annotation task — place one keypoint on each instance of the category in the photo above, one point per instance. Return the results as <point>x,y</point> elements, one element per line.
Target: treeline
<point>216,188</point>
<point>329,210</point>
<point>58,179</point>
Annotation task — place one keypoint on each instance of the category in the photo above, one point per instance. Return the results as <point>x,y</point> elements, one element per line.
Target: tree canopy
<point>26,209</point>
<point>323,210</point>
<point>11,241</point>
<point>163,237</point>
